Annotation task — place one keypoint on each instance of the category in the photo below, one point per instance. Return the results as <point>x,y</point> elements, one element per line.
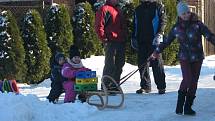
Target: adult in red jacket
<point>110,27</point>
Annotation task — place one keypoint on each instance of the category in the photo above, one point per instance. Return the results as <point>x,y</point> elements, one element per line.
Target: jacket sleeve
<point>84,69</point>
<point>207,33</point>
<point>68,72</point>
<point>100,23</point>
<point>162,18</point>
<point>171,36</point>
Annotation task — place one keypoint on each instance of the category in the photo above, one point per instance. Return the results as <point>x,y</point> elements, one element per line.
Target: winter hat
<point>74,51</point>
<point>182,7</point>
<point>58,56</point>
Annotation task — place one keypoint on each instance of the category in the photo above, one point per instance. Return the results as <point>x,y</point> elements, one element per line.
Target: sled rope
<point>126,77</point>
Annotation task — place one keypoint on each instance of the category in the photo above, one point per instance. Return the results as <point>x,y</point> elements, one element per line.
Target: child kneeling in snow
<point>69,71</point>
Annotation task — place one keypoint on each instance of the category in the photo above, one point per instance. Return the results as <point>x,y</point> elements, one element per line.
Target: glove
<point>154,55</point>
<point>158,39</point>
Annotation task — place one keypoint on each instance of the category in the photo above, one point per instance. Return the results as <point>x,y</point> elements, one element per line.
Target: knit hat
<point>74,51</point>
<point>182,7</point>
<point>58,56</point>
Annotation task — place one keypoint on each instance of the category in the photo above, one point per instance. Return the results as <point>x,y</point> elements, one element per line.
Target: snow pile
<point>30,108</point>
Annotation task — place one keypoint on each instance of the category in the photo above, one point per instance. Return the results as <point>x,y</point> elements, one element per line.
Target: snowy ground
<point>31,104</point>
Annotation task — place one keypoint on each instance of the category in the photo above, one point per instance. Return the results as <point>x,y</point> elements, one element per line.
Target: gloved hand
<point>154,55</point>
<point>158,39</point>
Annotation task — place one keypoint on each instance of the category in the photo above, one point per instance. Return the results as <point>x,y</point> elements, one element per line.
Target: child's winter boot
<point>82,97</point>
<point>180,102</point>
<point>188,104</point>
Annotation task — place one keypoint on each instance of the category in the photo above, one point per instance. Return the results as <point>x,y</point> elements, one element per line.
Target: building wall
<point>210,22</point>
<point>205,10</point>
<point>69,3</point>
<point>19,7</point>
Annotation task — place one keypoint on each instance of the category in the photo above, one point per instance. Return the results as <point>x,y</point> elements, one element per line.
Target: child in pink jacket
<point>69,71</point>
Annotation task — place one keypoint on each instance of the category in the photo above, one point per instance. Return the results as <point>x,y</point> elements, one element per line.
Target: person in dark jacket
<point>188,31</point>
<point>110,28</point>
<point>149,23</point>
<point>56,78</point>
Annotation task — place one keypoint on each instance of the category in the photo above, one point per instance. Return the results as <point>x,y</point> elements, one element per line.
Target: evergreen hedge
<point>131,54</point>
<point>12,53</point>
<point>170,53</point>
<point>84,33</point>
<point>36,47</point>
<point>59,29</point>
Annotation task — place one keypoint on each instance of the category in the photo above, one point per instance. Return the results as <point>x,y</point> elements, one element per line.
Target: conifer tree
<point>170,53</point>
<point>36,47</point>
<point>12,53</point>
<point>128,10</point>
<point>59,29</point>
<point>84,32</point>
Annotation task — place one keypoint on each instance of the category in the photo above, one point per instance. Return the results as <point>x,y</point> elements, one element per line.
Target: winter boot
<point>161,91</point>
<point>82,97</point>
<point>141,90</point>
<point>187,107</point>
<point>180,102</point>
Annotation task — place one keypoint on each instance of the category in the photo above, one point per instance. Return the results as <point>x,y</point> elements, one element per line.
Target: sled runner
<point>86,82</point>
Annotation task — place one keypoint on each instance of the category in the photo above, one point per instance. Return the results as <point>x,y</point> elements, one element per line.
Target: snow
<point>55,8</point>
<point>31,104</point>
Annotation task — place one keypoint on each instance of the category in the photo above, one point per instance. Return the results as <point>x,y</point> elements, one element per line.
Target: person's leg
<point>69,91</point>
<point>180,102</point>
<point>58,91</point>
<point>119,61</point>
<point>51,96</point>
<point>159,75</point>
<point>196,68</point>
<point>182,92</point>
<point>186,75</point>
<point>191,94</point>
<point>109,66</point>
<point>145,77</point>
<point>143,66</point>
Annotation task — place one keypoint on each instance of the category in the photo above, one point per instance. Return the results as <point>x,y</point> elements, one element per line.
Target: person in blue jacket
<point>149,24</point>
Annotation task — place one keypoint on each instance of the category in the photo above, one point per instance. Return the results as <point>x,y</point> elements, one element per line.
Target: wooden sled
<point>104,95</point>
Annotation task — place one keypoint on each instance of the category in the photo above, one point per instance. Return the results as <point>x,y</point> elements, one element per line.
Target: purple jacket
<point>189,37</point>
<point>69,72</point>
